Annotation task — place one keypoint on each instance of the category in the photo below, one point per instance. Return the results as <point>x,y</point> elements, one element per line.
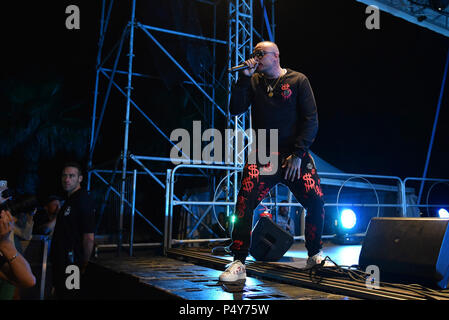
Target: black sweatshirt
<point>292,109</point>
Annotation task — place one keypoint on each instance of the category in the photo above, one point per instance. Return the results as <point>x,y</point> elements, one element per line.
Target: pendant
<point>270,94</point>
<point>269,89</point>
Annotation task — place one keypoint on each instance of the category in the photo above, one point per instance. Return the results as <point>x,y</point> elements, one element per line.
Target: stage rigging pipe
<point>133,210</point>
<point>125,143</point>
<point>103,28</point>
<point>432,137</point>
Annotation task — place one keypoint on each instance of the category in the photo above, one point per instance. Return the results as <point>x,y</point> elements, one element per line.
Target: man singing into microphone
<point>281,99</point>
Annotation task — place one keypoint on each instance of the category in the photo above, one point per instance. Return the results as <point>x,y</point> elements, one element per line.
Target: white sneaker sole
<point>232,278</point>
<point>326,265</point>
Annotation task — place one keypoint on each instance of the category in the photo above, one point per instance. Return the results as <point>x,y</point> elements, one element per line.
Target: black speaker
<point>414,250</point>
<point>269,242</point>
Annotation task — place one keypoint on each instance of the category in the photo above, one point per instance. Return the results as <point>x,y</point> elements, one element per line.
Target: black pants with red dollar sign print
<point>255,186</point>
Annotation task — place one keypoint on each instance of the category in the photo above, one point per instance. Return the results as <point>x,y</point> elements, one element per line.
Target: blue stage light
<point>348,219</point>
<point>443,213</point>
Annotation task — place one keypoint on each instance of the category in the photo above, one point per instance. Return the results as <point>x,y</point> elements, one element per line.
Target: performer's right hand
<point>252,63</point>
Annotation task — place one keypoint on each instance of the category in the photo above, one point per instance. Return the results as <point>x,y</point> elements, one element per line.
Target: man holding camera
<point>73,237</point>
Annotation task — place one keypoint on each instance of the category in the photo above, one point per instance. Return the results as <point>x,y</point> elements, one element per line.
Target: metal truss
<point>401,189</point>
<point>419,12</point>
<point>238,44</point>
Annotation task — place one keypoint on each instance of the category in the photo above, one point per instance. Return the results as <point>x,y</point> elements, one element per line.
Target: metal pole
<point>108,90</point>
<point>44,268</point>
<point>170,211</point>
<point>131,239</point>
<point>403,199</point>
<point>267,23</point>
<point>125,143</point>
<point>168,201</point>
<point>273,25</point>
<point>429,151</point>
<point>94,107</point>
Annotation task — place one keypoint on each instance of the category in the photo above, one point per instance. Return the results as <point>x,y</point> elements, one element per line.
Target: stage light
<point>348,219</point>
<point>233,218</point>
<point>438,5</point>
<point>443,213</point>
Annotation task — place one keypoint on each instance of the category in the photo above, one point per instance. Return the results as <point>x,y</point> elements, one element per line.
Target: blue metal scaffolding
<point>238,46</point>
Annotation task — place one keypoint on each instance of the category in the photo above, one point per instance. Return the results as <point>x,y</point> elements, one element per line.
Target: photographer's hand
<point>17,270</point>
<point>4,192</point>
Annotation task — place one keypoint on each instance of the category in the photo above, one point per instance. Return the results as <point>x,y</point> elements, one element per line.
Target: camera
<point>19,204</point>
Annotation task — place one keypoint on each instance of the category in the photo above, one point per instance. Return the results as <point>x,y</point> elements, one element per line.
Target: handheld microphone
<point>239,67</point>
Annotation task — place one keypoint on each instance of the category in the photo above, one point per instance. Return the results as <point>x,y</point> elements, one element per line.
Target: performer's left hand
<point>293,165</point>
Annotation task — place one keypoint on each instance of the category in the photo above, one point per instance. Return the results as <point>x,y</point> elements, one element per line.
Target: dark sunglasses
<point>260,53</point>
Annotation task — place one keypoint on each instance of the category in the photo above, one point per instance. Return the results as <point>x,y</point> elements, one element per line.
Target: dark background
<point>377,90</point>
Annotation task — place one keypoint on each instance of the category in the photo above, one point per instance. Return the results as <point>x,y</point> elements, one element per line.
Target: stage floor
<point>176,278</point>
<point>191,273</point>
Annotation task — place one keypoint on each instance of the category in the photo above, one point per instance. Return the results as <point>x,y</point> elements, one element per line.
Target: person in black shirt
<point>45,219</point>
<point>281,99</point>
<point>73,237</point>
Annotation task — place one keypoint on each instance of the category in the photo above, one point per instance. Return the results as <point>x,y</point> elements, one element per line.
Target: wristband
<point>13,258</point>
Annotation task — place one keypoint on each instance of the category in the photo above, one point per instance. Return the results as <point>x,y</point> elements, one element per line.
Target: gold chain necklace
<point>270,88</point>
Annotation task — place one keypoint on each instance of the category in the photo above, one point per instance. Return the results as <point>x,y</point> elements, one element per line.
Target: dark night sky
<point>377,90</point>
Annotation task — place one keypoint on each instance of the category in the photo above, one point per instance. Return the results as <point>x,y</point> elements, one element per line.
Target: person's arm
<point>88,246</point>
<point>88,227</point>
<point>49,227</point>
<point>26,233</point>
<point>291,226</point>
<point>16,269</point>
<point>242,94</point>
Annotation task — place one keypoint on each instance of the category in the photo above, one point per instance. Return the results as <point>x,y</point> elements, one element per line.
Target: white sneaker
<point>318,259</point>
<point>235,271</point>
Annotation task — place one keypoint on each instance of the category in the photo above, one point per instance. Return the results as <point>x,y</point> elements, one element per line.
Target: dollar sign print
<point>253,172</point>
<point>262,194</point>
<point>241,206</point>
<point>318,191</point>
<point>267,168</point>
<point>237,244</point>
<point>247,184</point>
<point>308,182</point>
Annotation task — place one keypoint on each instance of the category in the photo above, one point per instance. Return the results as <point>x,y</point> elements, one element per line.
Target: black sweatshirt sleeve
<point>307,121</point>
<point>241,96</point>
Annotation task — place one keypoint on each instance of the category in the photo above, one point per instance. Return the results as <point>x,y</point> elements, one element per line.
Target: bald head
<point>267,46</point>
<point>269,62</point>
